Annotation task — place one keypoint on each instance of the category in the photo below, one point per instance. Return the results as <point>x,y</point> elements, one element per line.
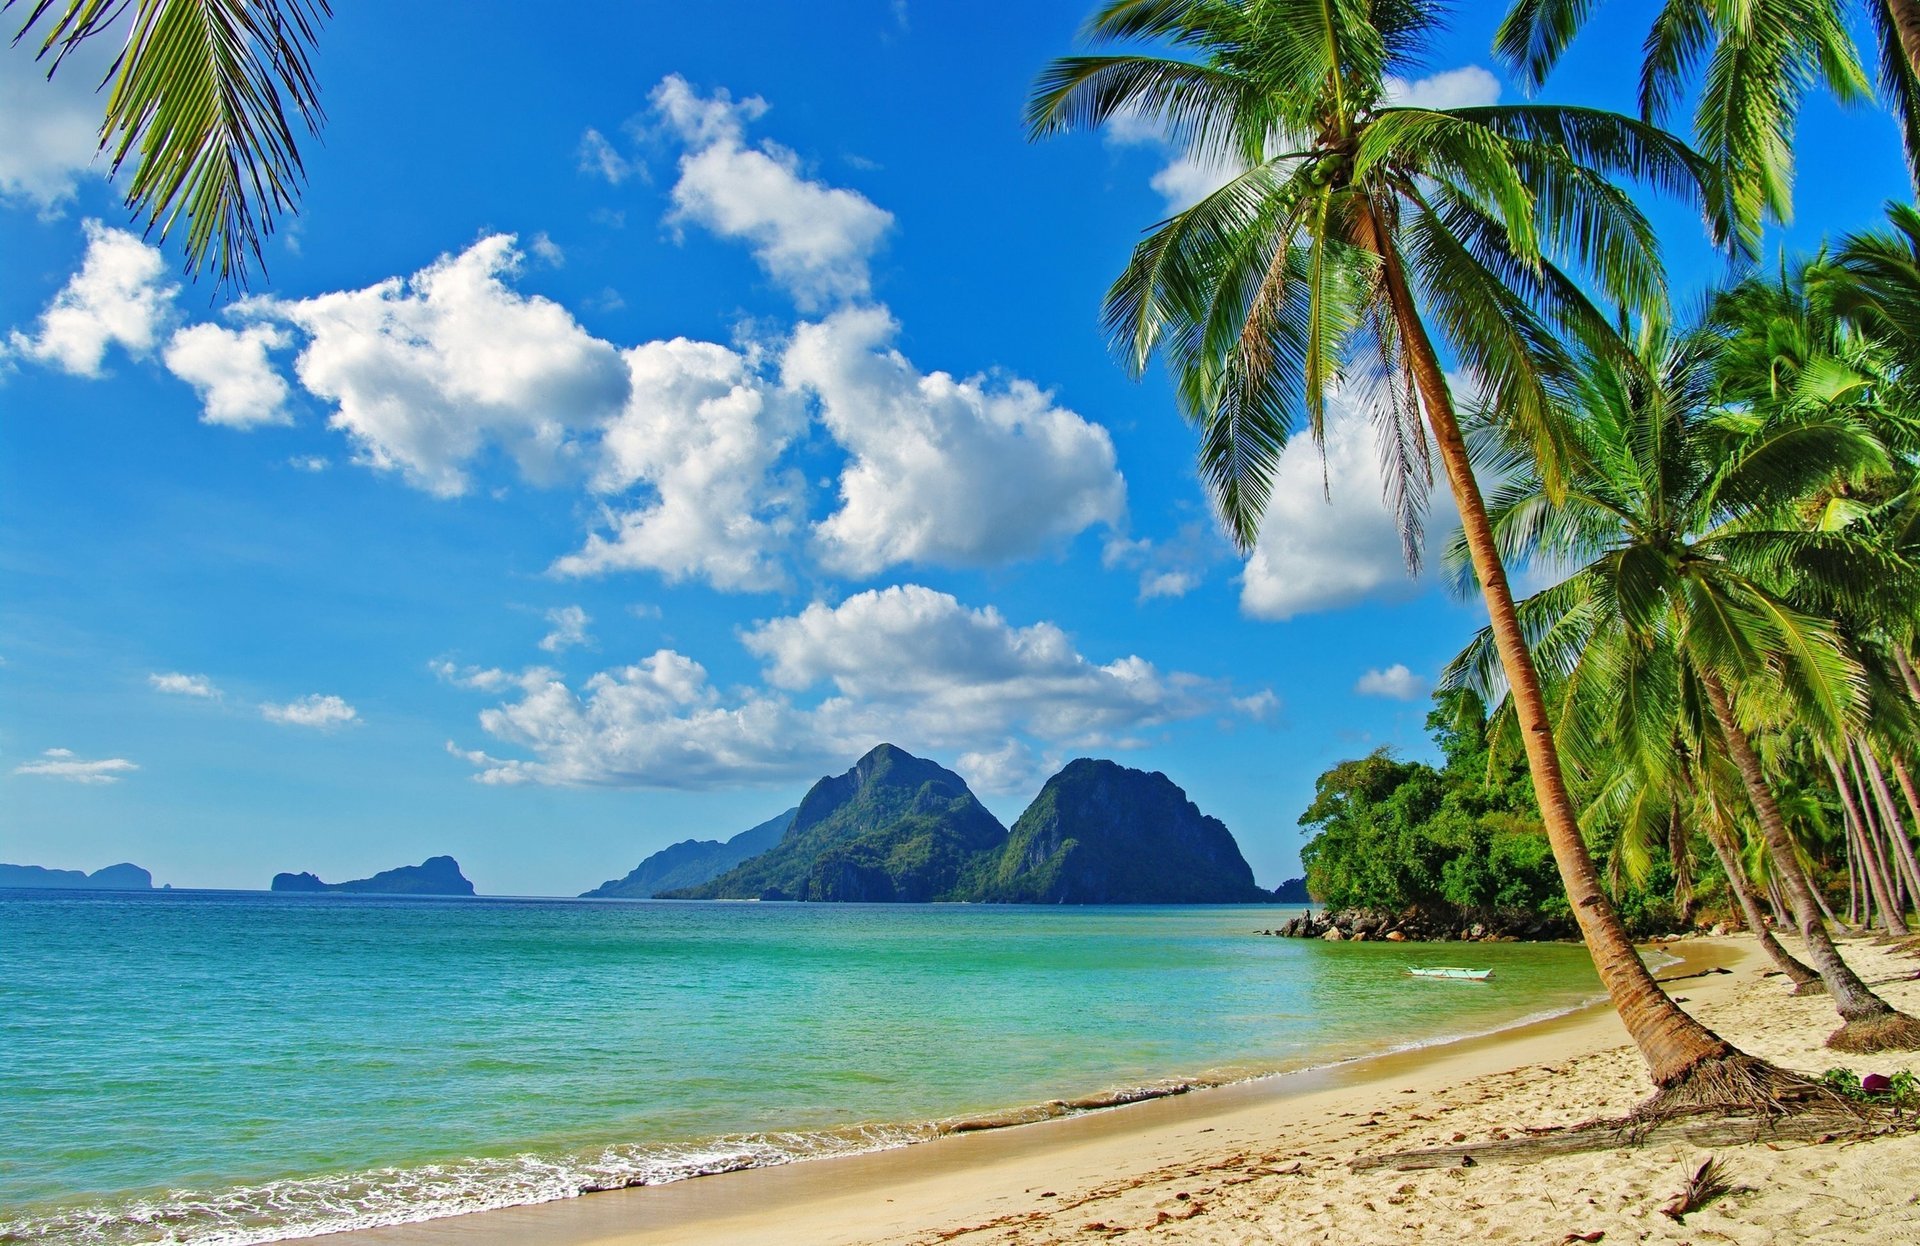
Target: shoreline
<point>968,1175</point>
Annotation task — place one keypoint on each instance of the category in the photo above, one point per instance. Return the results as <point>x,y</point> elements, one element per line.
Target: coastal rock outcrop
<point>1103,833</point>
<point>1491,926</point>
<point>894,828</point>
<point>122,877</point>
<point>692,862</point>
<point>436,876</point>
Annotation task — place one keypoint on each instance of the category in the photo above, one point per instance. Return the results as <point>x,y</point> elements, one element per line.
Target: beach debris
<point>1594,1236</point>
<point>1708,1182</point>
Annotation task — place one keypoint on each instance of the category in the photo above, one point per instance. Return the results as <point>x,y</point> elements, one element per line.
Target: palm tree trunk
<point>1869,1023</point>
<point>1802,977</point>
<point>1682,858</point>
<point>1906,785</point>
<point>1907,674</point>
<point>1905,15</point>
<point>1859,839</point>
<point>1874,830</point>
<point>1678,1049</point>
<point>1896,828</point>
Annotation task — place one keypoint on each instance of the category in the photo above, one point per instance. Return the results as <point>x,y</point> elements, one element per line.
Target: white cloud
<point>178,684</point>
<point>238,385</point>
<point>1328,538</point>
<point>812,238</point>
<point>120,295</point>
<point>476,678</point>
<point>60,763</point>
<point>309,463</point>
<point>569,628</point>
<point>1168,568</point>
<point>1469,86</point>
<point>1012,767</point>
<point>547,251</point>
<point>601,158</point>
<point>1395,683</point>
<point>702,433</point>
<point>905,664</point>
<point>49,130</point>
<point>311,711</point>
<point>944,471</point>
<point>427,372</point>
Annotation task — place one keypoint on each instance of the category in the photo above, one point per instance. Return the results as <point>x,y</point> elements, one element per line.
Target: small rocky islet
<point>436,876</point>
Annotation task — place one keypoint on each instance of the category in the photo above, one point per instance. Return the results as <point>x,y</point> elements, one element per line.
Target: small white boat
<point>1448,971</point>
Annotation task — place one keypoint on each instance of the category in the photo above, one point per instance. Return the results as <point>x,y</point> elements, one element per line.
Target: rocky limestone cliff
<point>895,828</point>
<point>1102,833</point>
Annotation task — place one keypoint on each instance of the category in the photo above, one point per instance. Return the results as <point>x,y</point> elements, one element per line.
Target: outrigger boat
<point>1464,975</point>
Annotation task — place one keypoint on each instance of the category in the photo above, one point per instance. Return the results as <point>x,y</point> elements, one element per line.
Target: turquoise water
<point>237,1067</point>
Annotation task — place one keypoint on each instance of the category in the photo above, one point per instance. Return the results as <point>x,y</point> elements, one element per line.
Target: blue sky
<point>642,417</point>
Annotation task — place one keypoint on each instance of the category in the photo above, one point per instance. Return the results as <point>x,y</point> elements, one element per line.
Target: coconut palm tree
<point>1754,63</point>
<point>199,100</point>
<point>1356,241</point>
<point>1695,596</point>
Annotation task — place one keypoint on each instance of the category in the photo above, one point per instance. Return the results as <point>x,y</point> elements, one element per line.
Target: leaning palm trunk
<point>1869,1023</point>
<point>1896,828</point>
<point>1682,866</point>
<point>1684,1058</point>
<point>1906,786</point>
<point>1805,980</point>
<point>1864,857</point>
<point>1905,15</point>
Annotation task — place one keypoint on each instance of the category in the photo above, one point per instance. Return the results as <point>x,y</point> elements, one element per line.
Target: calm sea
<point>239,1067</point>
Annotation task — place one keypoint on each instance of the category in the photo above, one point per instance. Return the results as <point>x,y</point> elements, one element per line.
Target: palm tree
<point>1760,58</point>
<point>201,89</point>
<point>1690,602</point>
<point>1355,232</point>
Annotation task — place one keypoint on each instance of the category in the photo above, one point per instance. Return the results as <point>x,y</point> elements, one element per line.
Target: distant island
<point>436,876</point>
<point>122,877</point>
<point>899,828</point>
<point>692,862</point>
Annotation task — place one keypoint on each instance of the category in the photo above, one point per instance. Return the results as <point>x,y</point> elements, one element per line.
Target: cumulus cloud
<point>176,684</point>
<point>944,471</point>
<point>311,711</point>
<point>49,130</point>
<point>1012,767</point>
<point>700,437</point>
<point>120,295</point>
<point>62,764</point>
<point>1172,567</point>
<point>1469,86</point>
<point>905,664</point>
<point>238,385</point>
<point>427,372</point>
<point>569,628</point>
<point>1328,538</point>
<point>1395,683</point>
<point>812,238</point>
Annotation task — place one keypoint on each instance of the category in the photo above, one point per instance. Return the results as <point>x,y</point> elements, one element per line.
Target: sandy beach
<point>1267,1162</point>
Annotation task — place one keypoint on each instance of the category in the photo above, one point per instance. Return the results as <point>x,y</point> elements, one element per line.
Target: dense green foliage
<point>1457,844</point>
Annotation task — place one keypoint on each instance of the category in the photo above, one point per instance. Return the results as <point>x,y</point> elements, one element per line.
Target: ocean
<point>229,1067</point>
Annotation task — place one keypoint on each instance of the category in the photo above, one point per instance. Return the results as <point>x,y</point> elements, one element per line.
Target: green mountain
<point>1101,833</point>
<point>692,862</point>
<point>894,828</point>
<point>436,876</point>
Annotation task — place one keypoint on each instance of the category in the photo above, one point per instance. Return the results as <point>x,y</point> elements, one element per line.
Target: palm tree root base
<point>1885,1031</point>
<point>1730,1101</point>
<point>1815,987</point>
<point>1738,1083</point>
